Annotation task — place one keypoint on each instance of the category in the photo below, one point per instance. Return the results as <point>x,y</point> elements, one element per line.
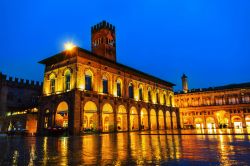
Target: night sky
<point>208,40</point>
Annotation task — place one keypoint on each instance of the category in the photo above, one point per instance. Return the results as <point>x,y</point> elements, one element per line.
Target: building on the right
<point>225,106</point>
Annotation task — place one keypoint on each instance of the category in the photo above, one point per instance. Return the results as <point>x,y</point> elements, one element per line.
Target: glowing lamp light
<point>69,46</point>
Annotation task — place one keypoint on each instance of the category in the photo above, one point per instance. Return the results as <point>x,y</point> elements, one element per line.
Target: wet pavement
<point>185,147</point>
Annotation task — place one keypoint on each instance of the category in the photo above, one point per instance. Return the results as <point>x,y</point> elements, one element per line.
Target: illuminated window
<point>118,86</point>
<point>52,85</point>
<point>131,90</point>
<point>88,80</point>
<point>149,95</point>
<point>105,85</point>
<point>67,80</point>
<point>140,93</point>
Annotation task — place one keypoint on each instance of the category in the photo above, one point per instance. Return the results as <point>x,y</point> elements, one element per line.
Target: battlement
<point>19,82</point>
<point>102,25</point>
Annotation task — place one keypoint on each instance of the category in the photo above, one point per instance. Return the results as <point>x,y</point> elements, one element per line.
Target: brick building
<point>89,90</point>
<point>18,103</point>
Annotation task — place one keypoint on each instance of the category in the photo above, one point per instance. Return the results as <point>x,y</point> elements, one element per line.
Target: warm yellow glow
<point>69,46</point>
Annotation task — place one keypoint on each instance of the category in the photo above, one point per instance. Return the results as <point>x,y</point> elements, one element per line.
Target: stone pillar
<point>244,125</point>
<point>139,120</point>
<point>74,113</point>
<point>165,122</point>
<point>149,119</point>
<point>157,118</point>
<point>128,118</point>
<point>115,117</point>
<point>99,115</point>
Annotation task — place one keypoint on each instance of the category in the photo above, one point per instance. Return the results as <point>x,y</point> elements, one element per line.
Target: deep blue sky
<point>209,40</point>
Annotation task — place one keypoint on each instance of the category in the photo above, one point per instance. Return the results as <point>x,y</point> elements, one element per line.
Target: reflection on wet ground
<point>129,149</point>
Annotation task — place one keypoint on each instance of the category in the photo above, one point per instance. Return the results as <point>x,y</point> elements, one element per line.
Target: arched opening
<point>88,80</point>
<point>119,87</point>
<point>131,91</point>
<point>237,122</point>
<point>122,118</point>
<point>174,120</point>
<point>187,123</point>
<point>153,119</point>
<point>149,95</point>
<point>105,85</point>
<point>134,120</point>
<point>52,79</point>
<point>222,121</point>
<point>168,120</point>
<point>140,93</point>
<point>90,118</point>
<point>107,118</point>
<point>247,121</point>
<point>210,123</point>
<point>161,120</point>
<point>67,75</point>
<point>61,117</point>
<point>144,119</point>
<point>199,123</point>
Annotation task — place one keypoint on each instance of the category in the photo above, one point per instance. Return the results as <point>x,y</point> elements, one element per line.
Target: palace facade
<point>90,91</point>
<point>218,107</point>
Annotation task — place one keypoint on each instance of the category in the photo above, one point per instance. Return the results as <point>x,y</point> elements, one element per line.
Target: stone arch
<point>107,118</point>
<point>210,123</point>
<point>90,117</point>
<point>174,120</point>
<point>237,122</point>
<point>168,120</point>
<point>122,118</point>
<point>134,119</point>
<point>144,119</point>
<point>161,120</point>
<point>153,119</point>
<point>61,114</point>
<point>199,123</point>
<point>88,79</point>
<point>118,87</point>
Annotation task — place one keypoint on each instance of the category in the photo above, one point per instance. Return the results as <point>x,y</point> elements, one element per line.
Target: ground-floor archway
<point>161,120</point>
<point>144,119</point>
<point>153,119</point>
<point>134,120</point>
<point>237,122</point>
<point>90,119</point>
<point>107,118</point>
<point>199,123</point>
<point>61,115</point>
<point>122,118</point>
<point>210,122</point>
<point>168,120</point>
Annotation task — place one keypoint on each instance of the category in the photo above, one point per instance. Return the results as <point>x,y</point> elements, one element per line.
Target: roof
<point>62,56</point>
<point>223,87</point>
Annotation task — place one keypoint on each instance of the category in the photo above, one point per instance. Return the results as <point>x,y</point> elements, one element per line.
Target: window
<point>105,85</point>
<point>131,90</point>
<point>67,80</point>
<point>149,96</point>
<point>140,93</point>
<point>118,86</point>
<point>52,85</point>
<point>157,97</point>
<point>88,80</point>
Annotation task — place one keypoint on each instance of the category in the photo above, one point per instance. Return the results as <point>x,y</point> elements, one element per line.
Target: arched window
<point>131,90</point>
<point>140,93</point>
<point>52,80</point>
<point>88,80</point>
<point>67,80</point>
<point>149,95</point>
<point>105,84</point>
<point>118,87</point>
<point>157,97</point>
<point>164,99</point>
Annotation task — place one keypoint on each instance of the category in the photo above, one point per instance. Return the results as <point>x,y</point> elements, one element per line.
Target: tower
<point>184,83</point>
<point>103,41</point>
